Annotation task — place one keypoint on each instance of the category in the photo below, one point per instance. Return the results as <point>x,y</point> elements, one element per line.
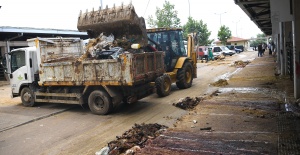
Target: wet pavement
<point>254,114</point>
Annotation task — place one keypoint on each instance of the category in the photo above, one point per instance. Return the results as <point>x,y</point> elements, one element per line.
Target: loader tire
<point>163,85</point>
<point>27,97</point>
<point>100,102</point>
<point>185,76</point>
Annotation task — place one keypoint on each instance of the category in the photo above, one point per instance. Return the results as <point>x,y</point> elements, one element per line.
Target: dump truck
<point>180,65</point>
<point>105,71</point>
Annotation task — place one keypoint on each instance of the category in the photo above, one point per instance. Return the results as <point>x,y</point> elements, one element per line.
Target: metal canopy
<point>7,32</point>
<point>259,12</point>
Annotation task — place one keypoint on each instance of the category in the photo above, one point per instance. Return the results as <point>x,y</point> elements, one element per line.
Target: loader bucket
<point>119,21</point>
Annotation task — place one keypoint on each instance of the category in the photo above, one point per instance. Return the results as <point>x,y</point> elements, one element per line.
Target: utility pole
<point>236,22</point>
<point>189,9</point>
<point>220,17</point>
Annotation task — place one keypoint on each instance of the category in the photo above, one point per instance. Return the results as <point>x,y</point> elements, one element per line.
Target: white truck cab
<point>22,67</point>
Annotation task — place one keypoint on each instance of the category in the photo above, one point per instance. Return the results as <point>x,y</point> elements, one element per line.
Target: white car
<point>217,50</point>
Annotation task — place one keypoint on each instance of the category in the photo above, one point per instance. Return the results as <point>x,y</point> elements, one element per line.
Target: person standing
<point>260,50</point>
<point>210,54</point>
<point>264,46</point>
<point>269,48</point>
<point>206,55</point>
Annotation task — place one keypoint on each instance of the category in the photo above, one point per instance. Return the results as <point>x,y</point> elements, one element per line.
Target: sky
<point>63,14</point>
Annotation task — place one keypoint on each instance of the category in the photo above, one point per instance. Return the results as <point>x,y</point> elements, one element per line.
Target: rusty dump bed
<point>120,21</point>
<point>61,64</point>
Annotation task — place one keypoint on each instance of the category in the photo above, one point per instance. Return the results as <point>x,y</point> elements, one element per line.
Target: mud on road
<point>77,131</point>
<point>247,116</point>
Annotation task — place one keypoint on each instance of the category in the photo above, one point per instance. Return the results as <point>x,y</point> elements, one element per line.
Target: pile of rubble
<point>188,103</point>
<point>241,64</point>
<point>220,57</point>
<point>219,83</point>
<point>109,47</point>
<point>133,139</point>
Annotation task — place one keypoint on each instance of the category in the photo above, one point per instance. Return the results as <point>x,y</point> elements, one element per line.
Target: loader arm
<point>192,54</point>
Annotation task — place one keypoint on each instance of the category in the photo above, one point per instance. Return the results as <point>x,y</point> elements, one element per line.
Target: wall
<point>296,45</point>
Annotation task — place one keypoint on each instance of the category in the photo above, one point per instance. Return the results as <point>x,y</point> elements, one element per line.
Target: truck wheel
<point>100,102</point>
<point>27,97</point>
<point>163,85</point>
<point>185,76</point>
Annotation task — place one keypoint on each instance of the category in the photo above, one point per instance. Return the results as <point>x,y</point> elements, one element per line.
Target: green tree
<point>260,38</point>
<point>193,26</point>
<point>165,17</point>
<point>223,34</point>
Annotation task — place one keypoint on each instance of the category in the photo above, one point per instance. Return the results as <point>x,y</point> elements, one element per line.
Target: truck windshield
<point>17,60</point>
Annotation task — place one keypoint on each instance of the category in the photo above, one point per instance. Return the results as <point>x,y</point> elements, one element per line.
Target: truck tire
<point>185,76</point>
<point>163,85</point>
<point>27,97</point>
<point>100,102</point>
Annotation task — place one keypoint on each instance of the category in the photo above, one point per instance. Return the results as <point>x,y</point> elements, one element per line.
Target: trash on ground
<point>135,138</point>
<point>188,103</point>
<point>215,93</point>
<point>207,128</point>
<point>220,82</point>
<point>103,151</point>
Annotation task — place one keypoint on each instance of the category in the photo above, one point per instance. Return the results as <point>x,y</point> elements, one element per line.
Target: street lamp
<point>189,9</point>
<point>236,22</point>
<point>220,17</point>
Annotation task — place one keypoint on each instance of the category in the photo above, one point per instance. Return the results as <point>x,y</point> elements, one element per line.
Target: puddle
<point>273,93</point>
<point>243,90</point>
<point>227,75</point>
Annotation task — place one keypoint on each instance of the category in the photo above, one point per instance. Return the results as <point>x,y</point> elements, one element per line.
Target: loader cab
<point>168,40</point>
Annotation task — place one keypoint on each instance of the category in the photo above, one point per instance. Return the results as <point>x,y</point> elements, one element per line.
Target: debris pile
<point>220,57</point>
<point>135,138</point>
<point>109,47</point>
<point>241,64</point>
<point>219,83</point>
<point>188,103</point>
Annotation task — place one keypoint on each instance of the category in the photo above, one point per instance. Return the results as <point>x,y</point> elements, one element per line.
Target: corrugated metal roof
<point>234,39</point>
<point>259,12</point>
<point>39,30</point>
<point>24,33</point>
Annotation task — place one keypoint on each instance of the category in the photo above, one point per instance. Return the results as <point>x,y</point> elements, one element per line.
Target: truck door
<point>18,70</point>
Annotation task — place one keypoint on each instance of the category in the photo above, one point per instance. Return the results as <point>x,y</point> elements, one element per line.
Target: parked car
<point>217,50</point>
<point>230,47</point>
<point>240,47</point>
<point>237,50</point>
<point>200,52</point>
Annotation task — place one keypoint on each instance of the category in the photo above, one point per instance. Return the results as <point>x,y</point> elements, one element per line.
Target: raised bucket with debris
<point>120,21</point>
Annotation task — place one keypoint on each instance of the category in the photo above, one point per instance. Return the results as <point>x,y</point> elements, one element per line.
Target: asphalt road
<point>71,129</point>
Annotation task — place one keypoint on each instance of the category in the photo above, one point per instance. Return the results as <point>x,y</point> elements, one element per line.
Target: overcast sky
<point>63,14</point>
